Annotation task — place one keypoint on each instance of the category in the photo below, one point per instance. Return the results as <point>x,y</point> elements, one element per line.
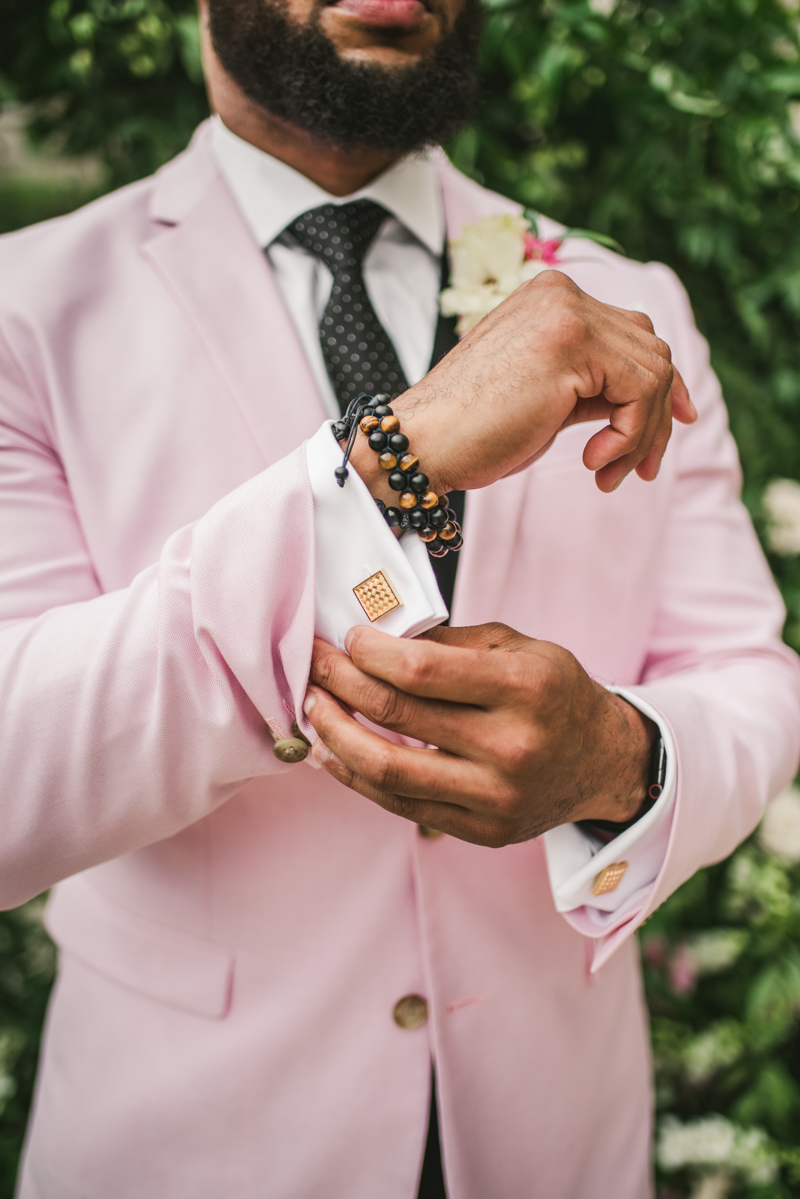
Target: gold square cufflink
<point>376,596</point>
<point>609,879</point>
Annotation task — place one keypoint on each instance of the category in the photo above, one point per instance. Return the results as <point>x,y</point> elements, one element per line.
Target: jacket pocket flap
<point>186,972</point>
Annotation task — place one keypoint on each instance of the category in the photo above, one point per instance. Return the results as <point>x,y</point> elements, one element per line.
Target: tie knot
<point>339,234</point>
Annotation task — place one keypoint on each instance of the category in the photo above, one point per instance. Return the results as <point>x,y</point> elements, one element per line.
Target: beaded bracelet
<point>419,508</point>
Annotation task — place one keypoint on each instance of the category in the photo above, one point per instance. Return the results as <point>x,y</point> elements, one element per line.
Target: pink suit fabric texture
<point>234,932</point>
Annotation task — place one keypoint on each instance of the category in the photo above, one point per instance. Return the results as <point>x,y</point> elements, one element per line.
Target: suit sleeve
<point>717,673</point>
<point>129,715</point>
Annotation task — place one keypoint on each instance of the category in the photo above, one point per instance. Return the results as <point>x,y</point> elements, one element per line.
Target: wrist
<point>629,739</point>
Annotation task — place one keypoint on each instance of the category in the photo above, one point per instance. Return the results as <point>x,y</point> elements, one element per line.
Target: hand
<point>526,739</point>
<point>549,356</point>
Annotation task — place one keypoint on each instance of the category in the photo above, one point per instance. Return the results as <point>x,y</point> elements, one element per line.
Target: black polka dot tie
<point>358,351</point>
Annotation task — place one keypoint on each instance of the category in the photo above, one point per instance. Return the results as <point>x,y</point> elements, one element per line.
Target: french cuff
<point>599,886</point>
<point>364,574</point>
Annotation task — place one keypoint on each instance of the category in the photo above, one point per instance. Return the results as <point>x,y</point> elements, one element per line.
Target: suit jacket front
<point>234,932</point>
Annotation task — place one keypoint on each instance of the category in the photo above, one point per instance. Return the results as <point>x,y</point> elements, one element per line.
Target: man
<point>259,967</point>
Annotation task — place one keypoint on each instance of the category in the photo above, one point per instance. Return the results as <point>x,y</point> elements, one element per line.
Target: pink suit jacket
<point>234,933</point>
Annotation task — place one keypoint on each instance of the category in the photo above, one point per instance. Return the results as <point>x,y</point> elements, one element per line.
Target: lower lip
<point>396,13</point>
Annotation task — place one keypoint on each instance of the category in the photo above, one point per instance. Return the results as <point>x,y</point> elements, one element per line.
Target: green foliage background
<point>673,126</point>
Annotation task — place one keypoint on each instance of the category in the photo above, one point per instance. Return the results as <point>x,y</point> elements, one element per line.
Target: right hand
<point>548,357</point>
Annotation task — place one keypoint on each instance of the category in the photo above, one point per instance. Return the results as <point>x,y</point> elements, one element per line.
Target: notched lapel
<point>205,255</point>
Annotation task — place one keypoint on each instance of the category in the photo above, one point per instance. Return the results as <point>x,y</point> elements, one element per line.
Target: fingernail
<point>308,702</point>
<point>321,753</point>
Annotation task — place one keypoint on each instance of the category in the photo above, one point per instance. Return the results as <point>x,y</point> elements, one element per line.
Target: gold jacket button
<point>430,834</point>
<point>410,1012</point>
<point>290,749</point>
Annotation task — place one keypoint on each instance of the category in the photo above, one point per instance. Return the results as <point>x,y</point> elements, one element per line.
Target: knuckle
<point>662,349</point>
<point>401,805</point>
<point>383,772</point>
<point>642,320</point>
<point>383,704</point>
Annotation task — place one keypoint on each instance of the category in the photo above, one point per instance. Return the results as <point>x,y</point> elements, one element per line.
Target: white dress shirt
<point>402,272</point>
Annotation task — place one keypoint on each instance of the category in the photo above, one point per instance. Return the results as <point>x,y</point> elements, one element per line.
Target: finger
<point>452,727</point>
<point>393,769</point>
<point>433,671</point>
<point>650,465</point>
<point>682,407</point>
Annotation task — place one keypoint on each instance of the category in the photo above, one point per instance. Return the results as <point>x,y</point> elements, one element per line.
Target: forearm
<point>130,716</point>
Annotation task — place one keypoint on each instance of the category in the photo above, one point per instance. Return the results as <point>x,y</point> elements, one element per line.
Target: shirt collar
<point>272,194</point>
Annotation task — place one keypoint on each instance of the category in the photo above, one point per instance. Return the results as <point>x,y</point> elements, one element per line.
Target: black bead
<point>382,410</point>
<point>394,517</point>
<point>398,442</point>
<point>437,548</point>
<point>455,543</point>
<point>417,518</point>
<point>380,398</point>
<point>398,479</point>
<point>340,430</point>
<point>379,504</point>
<point>341,473</point>
<point>377,441</point>
<point>419,483</point>
<point>437,517</point>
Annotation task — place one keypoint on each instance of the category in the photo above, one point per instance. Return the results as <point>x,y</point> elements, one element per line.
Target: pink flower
<point>542,251</point>
<point>682,974</point>
<point>655,951</point>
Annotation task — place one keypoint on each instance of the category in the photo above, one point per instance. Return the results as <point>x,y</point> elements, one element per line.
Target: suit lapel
<point>492,515</point>
<point>206,257</point>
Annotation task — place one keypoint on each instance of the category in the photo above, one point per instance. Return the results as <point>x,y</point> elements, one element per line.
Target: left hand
<point>526,739</point>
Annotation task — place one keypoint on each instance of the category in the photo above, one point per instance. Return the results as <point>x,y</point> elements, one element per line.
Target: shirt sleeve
<point>575,859</point>
<point>353,544</point>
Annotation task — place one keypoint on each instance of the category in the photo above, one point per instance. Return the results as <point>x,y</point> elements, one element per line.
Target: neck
<point>340,172</point>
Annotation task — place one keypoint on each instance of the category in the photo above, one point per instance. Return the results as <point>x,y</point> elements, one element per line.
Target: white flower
<point>487,263</point>
<point>779,830</point>
<point>713,1186</point>
<point>603,8</point>
<point>715,1141</point>
<point>715,949</point>
<point>717,1047</point>
<point>782,506</point>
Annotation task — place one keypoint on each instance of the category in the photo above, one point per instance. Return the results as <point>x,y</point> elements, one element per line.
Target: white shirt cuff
<point>353,542</point>
<point>574,860</point>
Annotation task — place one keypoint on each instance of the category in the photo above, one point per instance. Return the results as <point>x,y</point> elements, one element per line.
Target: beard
<point>295,72</point>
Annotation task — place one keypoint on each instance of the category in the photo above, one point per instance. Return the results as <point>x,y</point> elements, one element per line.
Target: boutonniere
<point>493,257</point>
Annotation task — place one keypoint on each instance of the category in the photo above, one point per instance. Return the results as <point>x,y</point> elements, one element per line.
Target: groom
<point>263,965</point>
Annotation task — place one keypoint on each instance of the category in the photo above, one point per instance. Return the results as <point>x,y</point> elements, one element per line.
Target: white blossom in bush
<point>782,508</point>
<point>716,949</point>
<point>757,888</point>
<point>713,1141</point>
<point>713,1186</point>
<point>779,831</point>
<point>712,1050</point>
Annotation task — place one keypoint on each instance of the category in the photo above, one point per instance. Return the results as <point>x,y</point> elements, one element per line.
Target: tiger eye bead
<point>447,530</point>
<point>419,483</point>
<point>368,423</point>
<point>377,441</point>
<point>429,500</point>
<point>387,460</point>
<point>427,533</point>
<point>390,424</point>
<point>398,442</point>
<point>398,480</point>
<point>417,519</point>
<point>409,462</point>
<point>437,518</point>
<point>408,499</point>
